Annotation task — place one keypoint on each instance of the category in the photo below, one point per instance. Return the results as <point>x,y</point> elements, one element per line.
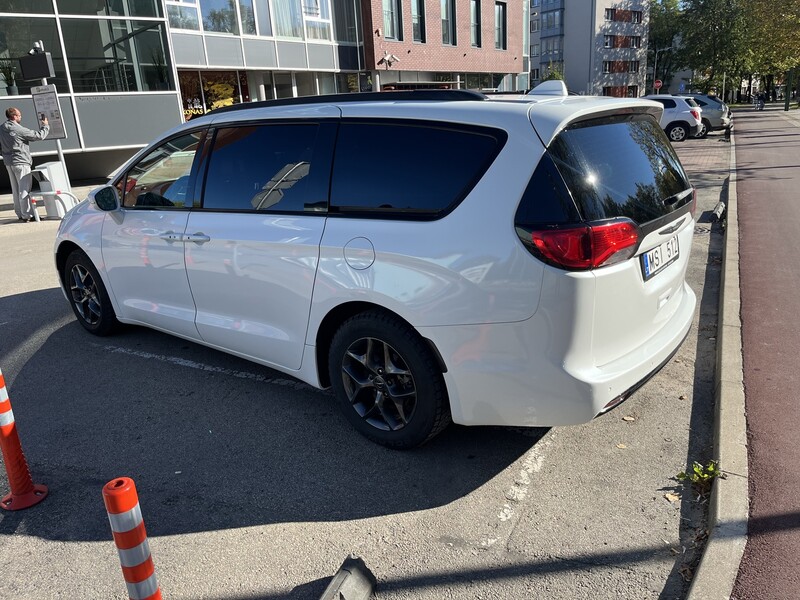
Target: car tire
<point>387,381</point>
<point>705,127</point>
<point>677,132</point>
<point>88,296</point>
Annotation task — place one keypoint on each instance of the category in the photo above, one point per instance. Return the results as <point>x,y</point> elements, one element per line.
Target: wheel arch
<point>64,250</point>
<point>338,315</point>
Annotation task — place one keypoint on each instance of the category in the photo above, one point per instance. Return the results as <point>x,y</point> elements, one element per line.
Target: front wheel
<point>677,132</point>
<point>87,294</point>
<point>386,381</point>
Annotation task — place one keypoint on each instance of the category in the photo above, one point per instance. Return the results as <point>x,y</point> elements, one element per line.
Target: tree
<point>664,32</point>
<point>714,41</point>
<point>554,71</point>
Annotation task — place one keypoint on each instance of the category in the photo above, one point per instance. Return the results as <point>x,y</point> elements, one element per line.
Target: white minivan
<point>432,256</point>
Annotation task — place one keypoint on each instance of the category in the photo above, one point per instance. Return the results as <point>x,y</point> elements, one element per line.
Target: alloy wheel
<point>83,289</point>
<point>379,384</point>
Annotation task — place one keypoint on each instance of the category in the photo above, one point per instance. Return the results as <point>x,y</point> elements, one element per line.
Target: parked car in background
<point>716,114</point>
<point>430,255</point>
<point>681,118</point>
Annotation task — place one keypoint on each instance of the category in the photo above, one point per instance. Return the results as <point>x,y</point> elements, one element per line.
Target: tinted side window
<point>620,167</point>
<point>266,168</point>
<point>546,199</point>
<point>408,169</point>
<point>669,103</point>
<point>161,178</point>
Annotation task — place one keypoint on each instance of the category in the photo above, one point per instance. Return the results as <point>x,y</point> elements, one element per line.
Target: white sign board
<point>45,100</point>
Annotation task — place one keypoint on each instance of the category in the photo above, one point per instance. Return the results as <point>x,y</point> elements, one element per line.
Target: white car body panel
<point>270,261</point>
<point>148,272</point>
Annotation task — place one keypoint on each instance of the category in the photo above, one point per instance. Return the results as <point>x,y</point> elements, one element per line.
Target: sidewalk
<point>80,189</point>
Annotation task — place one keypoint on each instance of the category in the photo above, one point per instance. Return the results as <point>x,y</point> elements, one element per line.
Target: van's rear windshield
<point>622,166</point>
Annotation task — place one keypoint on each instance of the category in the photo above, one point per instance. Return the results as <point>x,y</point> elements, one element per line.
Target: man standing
<point>15,145</point>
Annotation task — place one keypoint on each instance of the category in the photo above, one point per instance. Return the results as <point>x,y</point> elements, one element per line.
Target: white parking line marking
<point>298,385</point>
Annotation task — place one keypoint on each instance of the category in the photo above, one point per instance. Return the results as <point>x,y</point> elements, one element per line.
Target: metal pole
<point>655,66</point>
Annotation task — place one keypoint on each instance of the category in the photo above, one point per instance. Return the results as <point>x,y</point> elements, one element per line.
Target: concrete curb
<point>727,519</point>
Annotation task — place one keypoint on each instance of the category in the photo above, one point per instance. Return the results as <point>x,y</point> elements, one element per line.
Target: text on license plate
<point>659,257</point>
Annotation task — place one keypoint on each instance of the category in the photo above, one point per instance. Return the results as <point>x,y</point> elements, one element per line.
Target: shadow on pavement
<point>212,441</point>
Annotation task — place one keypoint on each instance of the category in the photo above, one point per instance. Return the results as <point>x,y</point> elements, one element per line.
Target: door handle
<point>171,236</point>
<point>197,238</point>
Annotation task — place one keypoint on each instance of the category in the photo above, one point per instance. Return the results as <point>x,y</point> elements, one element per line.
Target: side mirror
<point>105,197</point>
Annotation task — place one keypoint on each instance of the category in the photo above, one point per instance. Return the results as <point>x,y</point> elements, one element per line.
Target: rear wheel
<point>87,294</point>
<point>387,381</point>
<point>677,132</point>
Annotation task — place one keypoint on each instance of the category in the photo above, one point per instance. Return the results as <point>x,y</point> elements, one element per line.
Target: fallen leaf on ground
<point>621,446</point>
<point>629,418</point>
<point>672,497</point>
<point>682,397</point>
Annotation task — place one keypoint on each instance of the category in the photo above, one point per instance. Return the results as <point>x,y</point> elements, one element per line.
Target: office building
<point>600,47</point>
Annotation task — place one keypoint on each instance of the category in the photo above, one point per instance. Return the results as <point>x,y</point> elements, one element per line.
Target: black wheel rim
<point>84,294</point>
<point>379,384</point>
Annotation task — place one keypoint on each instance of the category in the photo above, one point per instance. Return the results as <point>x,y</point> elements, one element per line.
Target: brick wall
<point>433,55</point>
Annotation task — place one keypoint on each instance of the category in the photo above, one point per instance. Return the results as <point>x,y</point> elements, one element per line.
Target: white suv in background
<point>681,118</point>
<point>431,256</point>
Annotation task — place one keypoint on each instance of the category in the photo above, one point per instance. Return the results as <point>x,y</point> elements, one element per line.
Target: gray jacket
<point>14,142</point>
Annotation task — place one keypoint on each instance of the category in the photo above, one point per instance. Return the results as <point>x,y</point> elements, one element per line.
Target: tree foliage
<point>734,38</point>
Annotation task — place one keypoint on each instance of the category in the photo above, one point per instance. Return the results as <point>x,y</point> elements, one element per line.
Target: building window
<point>534,25</point>
<point>418,20</point>
<point>535,50</point>
<point>606,66</point>
<point>288,18</point>
<point>219,16</point>
<point>392,20</point>
<point>475,23</point>
<point>534,74</point>
<point>500,31</point>
<point>262,17</point>
<point>346,21</point>
<point>449,22</point>
<point>633,66</point>
<point>247,17</point>
<point>634,41</point>
<point>144,8</point>
<point>183,17</point>
<point>636,16</point>
<point>608,41</point>
<point>551,19</point>
<point>116,55</point>
<point>610,14</point>
<point>633,91</point>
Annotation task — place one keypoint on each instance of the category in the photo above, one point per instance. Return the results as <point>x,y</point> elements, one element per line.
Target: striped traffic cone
<point>127,526</point>
<point>24,493</point>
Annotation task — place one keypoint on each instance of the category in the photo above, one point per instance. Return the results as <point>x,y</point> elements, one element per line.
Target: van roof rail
<point>416,95</point>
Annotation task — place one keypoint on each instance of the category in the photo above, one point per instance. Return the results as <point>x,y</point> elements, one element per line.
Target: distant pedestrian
<point>15,145</point>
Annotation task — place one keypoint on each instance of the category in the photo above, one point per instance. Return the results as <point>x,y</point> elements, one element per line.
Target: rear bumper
<point>509,374</point>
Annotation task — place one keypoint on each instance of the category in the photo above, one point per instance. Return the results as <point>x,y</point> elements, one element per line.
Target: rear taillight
<point>695,114</point>
<point>586,246</point>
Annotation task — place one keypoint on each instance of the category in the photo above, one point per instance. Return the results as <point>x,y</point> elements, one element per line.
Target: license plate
<point>659,257</point>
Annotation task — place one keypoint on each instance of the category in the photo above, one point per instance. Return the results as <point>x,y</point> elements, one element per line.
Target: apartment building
<point>600,46</point>
<point>126,70</point>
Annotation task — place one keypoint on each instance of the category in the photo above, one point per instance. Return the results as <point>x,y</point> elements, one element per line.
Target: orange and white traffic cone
<point>127,526</point>
<point>24,493</point>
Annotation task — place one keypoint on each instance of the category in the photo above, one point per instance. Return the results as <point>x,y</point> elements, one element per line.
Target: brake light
<point>587,246</point>
<point>695,114</point>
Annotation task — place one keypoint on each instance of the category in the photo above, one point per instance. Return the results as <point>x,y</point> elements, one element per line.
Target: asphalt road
<point>253,487</point>
<point>768,170</point>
